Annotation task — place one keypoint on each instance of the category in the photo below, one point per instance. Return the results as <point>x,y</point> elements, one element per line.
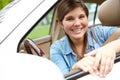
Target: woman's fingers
<point>86,64</point>
<point>106,66</point>
<point>97,57</point>
<point>104,61</point>
<point>97,61</point>
<point>89,65</point>
<point>102,66</point>
<point>90,68</point>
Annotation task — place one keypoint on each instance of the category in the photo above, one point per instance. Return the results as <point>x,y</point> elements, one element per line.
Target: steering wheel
<point>32,48</point>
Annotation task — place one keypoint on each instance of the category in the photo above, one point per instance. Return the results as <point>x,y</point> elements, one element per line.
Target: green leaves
<point>3,3</point>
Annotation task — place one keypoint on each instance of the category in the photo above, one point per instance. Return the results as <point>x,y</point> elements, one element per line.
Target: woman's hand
<point>104,59</point>
<point>85,64</point>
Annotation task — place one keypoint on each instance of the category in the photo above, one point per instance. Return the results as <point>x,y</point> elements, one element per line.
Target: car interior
<point>108,14</point>
<point>56,32</point>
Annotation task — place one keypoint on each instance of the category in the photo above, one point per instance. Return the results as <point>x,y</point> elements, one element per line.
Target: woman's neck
<point>78,47</point>
<point>78,42</point>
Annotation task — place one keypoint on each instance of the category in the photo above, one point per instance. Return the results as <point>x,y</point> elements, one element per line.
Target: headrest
<point>109,13</point>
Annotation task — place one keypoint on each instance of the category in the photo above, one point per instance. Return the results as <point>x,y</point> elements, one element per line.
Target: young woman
<point>69,53</point>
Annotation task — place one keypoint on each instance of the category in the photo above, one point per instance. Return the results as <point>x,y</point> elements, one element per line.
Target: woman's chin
<point>78,37</point>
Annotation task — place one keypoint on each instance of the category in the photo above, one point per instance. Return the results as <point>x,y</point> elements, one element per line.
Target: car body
<point>18,20</point>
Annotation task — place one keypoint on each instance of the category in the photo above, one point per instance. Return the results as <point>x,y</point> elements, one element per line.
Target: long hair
<point>65,6</point>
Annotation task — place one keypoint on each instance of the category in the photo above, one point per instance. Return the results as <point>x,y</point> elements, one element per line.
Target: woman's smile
<point>77,30</point>
<point>75,23</point>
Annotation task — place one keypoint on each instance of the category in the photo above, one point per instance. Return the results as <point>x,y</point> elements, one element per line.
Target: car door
<point>19,20</point>
<point>20,17</point>
<point>80,75</point>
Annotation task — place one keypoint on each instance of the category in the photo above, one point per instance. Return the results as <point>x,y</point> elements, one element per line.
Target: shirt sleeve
<point>104,32</point>
<point>56,57</point>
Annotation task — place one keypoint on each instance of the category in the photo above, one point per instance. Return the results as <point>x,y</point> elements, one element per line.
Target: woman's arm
<point>85,64</point>
<point>114,45</point>
<point>105,56</point>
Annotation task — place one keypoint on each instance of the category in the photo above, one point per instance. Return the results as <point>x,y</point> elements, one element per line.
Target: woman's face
<point>75,23</point>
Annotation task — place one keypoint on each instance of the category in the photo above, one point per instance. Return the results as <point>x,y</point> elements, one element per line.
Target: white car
<point>17,21</point>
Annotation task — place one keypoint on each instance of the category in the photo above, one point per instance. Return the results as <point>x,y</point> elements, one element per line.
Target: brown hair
<point>65,6</point>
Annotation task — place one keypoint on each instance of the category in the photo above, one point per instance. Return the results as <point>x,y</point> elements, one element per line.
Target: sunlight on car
<point>6,8</point>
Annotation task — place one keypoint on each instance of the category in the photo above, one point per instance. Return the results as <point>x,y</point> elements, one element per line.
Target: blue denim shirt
<point>62,54</point>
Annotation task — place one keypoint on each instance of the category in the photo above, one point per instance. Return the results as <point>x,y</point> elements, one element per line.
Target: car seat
<point>109,13</point>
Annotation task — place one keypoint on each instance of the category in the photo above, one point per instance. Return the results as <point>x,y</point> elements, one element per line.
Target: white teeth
<point>77,30</point>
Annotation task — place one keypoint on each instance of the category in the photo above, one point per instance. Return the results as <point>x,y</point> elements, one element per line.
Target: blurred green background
<point>3,3</point>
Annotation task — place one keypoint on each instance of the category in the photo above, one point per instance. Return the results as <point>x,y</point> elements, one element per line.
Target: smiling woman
<point>47,30</point>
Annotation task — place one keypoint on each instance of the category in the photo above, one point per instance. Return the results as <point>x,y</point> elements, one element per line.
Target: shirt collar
<point>68,49</point>
<point>90,44</point>
<point>67,45</point>
<point>90,39</point>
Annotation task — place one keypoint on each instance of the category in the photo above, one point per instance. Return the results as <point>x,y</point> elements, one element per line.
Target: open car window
<point>48,24</point>
<point>80,75</point>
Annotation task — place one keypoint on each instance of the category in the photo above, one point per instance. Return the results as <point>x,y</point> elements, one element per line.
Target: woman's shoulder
<point>61,44</point>
<point>104,29</point>
<point>101,27</point>
<point>103,32</point>
<point>61,41</point>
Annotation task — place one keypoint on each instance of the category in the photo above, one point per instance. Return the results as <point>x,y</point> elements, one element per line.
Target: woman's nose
<point>77,22</point>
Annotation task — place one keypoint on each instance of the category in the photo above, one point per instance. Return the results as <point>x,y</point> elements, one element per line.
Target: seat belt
<point>114,36</point>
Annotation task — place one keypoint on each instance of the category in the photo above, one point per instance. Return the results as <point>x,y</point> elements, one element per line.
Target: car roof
<point>18,11</point>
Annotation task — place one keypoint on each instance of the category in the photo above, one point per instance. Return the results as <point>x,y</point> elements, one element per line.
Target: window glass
<point>92,8</point>
<point>43,27</point>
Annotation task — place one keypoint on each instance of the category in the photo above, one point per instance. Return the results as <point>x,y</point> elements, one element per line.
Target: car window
<point>43,27</point>
<point>48,26</point>
<point>92,7</point>
<point>80,75</point>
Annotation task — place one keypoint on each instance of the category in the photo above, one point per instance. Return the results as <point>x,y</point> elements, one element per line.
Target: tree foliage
<point>3,3</point>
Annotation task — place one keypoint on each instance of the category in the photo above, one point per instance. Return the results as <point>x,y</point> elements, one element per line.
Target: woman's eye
<point>81,16</point>
<point>69,19</point>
